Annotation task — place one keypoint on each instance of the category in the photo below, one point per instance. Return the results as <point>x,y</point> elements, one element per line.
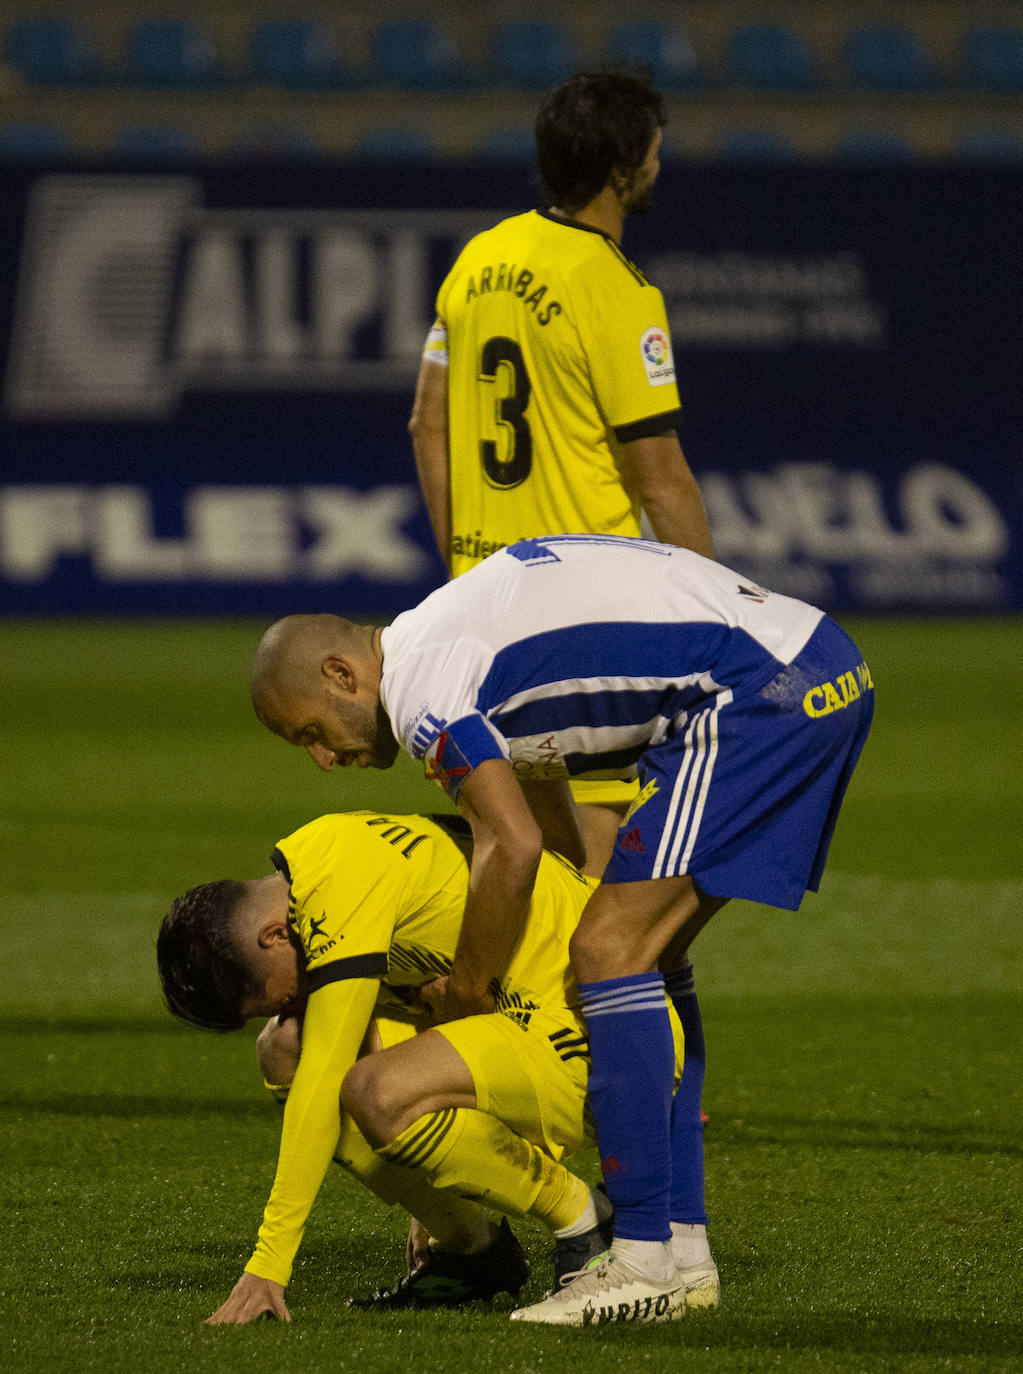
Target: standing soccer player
<point>546,400</point>
<point>742,713</point>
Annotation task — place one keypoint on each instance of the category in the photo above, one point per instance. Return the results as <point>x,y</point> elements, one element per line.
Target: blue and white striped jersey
<point>571,655</point>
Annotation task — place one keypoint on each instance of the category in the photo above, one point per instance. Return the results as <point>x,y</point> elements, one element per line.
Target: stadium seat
<point>771,57</point>
<point>532,53</point>
<point>664,48</point>
<point>990,145</point>
<point>510,143</point>
<point>28,142</point>
<point>276,143</point>
<point>870,145</point>
<point>298,54</point>
<point>415,54</point>
<point>154,143</point>
<point>992,58</point>
<point>171,52</point>
<point>755,145</point>
<point>52,52</point>
<point>392,144</point>
<point>887,57</point>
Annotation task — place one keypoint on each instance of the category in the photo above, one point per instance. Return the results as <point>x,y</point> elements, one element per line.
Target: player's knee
<point>593,956</point>
<point>278,1048</point>
<point>368,1101</point>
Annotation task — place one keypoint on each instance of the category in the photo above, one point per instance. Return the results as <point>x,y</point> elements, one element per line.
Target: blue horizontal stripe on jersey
<point>614,648</point>
<point>594,710</point>
<point>656,650</point>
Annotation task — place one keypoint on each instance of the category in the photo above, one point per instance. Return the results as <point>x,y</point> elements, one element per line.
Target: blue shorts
<point>744,793</point>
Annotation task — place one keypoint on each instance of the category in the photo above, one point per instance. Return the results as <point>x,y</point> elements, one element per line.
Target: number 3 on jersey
<point>509,411</point>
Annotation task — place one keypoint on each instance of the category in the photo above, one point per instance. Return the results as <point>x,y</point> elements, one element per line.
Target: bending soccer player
<point>363,905</point>
<point>742,713</point>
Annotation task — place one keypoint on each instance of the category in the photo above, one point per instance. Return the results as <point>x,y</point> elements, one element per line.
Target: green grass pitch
<point>865,1090</point>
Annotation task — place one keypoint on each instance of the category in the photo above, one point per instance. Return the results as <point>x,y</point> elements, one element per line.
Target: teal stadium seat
<point>991,58</point>
<point>171,53</point>
<point>771,57</point>
<point>887,57</point>
<point>873,145</point>
<point>665,48</point>
<point>52,52</point>
<point>415,54</point>
<point>154,143</point>
<point>394,144</point>
<point>296,54</point>
<point>30,142</point>
<point>991,146</point>
<point>755,145</point>
<point>532,53</point>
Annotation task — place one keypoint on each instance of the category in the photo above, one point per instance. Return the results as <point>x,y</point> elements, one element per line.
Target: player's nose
<point>322,756</point>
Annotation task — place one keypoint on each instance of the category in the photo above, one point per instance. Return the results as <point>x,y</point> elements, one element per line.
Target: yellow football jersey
<point>383,896</point>
<point>558,353</point>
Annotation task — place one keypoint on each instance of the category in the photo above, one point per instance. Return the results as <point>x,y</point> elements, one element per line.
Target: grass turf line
<point>863,1157</point>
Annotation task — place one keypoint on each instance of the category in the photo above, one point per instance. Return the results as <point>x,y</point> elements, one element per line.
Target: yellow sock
<point>454,1222</point>
<point>477,1156</point>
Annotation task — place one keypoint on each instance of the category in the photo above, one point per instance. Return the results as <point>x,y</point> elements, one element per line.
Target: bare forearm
<point>678,516</point>
<point>428,427</point>
<point>500,888</point>
<point>669,493</point>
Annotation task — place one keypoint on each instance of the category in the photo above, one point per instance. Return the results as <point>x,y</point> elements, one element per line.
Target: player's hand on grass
<point>417,1249</point>
<point>251,1297</point>
<point>448,1003</point>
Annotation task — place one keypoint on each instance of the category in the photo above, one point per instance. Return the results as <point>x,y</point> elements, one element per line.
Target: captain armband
<point>436,347</point>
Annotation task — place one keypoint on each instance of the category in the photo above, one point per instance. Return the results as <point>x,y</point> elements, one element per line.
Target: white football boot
<point>612,1289</point>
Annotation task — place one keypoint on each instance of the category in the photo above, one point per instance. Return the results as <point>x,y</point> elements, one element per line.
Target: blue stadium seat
<point>755,145</point>
<point>154,143</point>
<point>172,53</point>
<point>771,57</point>
<point>992,58</point>
<point>510,143</point>
<point>298,54</point>
<point>29,142</point>
<point>870,145</point>
<point>991,145</point>
<point>276,143</point>
<point>416,54</point>
<point>52,52</point>
<point>664,48</point>
<point>532,53</point>
<point>887,57</point>
<point>392,144</point>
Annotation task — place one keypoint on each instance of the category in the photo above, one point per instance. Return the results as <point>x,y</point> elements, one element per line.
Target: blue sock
<point>630,1096</point>
<point>687,1201</point>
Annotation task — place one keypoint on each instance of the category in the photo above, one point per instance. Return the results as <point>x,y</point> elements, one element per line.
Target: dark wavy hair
<point>202,973</point>
<point>589,126</point>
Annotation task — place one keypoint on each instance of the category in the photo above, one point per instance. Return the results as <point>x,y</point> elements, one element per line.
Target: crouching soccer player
<point>364,905</point>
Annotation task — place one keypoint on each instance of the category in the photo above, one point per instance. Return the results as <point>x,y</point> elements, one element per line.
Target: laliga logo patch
<point>656,350</point>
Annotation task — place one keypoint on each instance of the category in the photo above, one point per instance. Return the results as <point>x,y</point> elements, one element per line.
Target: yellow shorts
<point>521,1077</point>
<point>533,1077</point>
<point>603,792</point>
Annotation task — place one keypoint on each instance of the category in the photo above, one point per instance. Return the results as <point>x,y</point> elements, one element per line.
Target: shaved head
<point>316,683</point>
<point>290,654</point>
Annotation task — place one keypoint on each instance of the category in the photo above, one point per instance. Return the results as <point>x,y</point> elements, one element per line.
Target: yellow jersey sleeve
<point>335,1022</point>
<point>623,331</point>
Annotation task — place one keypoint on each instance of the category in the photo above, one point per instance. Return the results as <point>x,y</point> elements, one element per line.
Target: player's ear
<point>272,932</point>
<point>339,671</point>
